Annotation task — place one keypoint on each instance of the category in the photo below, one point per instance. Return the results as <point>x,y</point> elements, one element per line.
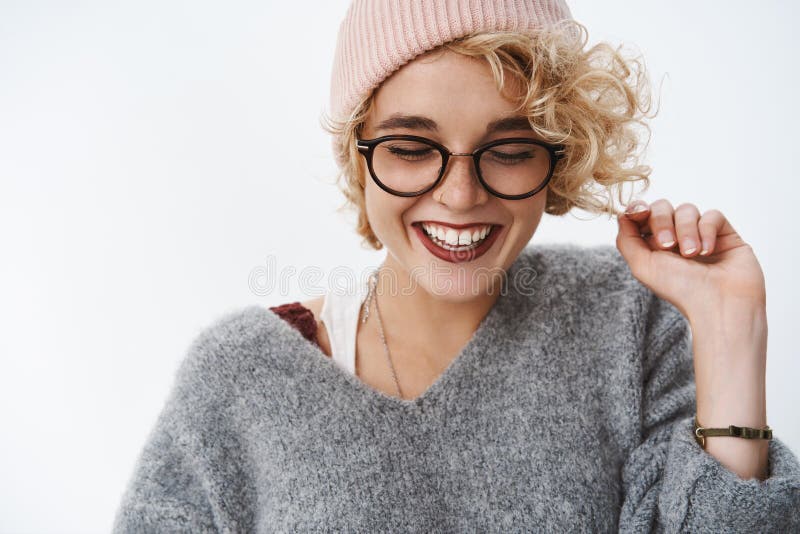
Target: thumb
<point>630,243</point>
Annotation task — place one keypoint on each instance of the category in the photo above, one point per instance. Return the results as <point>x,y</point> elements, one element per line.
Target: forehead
<point>444,86</point>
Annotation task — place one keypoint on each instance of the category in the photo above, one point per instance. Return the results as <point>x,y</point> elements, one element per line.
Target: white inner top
<point>340,314</point>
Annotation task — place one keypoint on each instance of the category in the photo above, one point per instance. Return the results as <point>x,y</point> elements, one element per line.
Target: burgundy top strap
<point>300,318</point>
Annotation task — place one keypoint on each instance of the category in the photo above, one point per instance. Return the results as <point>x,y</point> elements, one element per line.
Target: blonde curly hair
<point>595,101</point>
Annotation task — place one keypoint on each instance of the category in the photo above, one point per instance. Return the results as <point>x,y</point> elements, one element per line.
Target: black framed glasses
<point>409,165</point>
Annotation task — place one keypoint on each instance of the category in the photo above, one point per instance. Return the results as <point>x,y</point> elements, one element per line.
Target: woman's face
<point>458,99</point>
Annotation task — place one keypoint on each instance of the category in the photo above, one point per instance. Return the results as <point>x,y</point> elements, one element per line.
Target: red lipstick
<point>457,256</point>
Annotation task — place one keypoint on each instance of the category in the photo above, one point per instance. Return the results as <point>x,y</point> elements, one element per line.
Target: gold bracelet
<point>700,433</point>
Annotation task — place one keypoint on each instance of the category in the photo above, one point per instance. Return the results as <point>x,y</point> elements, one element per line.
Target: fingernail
<point>638,208</point>
<point>705,249</point>
<point>666,239</point>
<point>689,246</point>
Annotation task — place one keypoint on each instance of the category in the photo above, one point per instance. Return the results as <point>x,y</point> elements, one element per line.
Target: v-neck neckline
<point>305,351</point>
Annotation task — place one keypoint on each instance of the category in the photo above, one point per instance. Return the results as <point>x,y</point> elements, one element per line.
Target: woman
<point>473,382</point>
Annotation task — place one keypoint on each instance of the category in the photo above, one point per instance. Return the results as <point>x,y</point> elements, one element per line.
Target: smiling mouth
<point>465,243</point>
<point>451,238</point>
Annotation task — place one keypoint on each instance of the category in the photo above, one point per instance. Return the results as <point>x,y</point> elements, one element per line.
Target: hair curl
<point>595,101</point>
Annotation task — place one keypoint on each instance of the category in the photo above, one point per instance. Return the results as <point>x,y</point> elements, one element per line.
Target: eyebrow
<point>419,122</point>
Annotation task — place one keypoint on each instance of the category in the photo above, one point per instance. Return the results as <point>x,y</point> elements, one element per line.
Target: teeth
<point>451,237</point>
<point>454,238</point>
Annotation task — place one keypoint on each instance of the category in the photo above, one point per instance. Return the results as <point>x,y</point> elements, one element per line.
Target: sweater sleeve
<point>188,476</point>
<point>670,483</point>
<point>166,493</point>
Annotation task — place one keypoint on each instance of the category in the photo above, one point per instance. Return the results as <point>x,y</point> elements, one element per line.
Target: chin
<point>460,289</point>
<point>456,283</point>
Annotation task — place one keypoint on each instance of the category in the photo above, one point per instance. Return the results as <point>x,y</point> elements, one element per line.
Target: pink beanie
<point>377,37</point>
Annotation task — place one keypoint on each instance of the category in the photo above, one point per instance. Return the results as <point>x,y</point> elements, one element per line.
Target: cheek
<point>375,200</point>
<point>527,213</point>
<point>385,212</point>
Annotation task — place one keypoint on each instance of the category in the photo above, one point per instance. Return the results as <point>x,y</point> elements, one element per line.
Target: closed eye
<point>410,155</point>
<point>512,157</point>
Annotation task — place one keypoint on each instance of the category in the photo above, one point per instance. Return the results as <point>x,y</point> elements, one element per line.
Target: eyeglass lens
<point>511,169</point>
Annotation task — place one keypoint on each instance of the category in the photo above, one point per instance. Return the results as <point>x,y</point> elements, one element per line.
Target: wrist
<point>728,317</point>
<point>730,350</point>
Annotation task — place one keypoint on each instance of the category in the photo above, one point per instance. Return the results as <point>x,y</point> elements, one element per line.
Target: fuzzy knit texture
<point>568,410</point>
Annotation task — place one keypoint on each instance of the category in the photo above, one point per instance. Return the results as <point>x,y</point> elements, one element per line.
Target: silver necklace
<point>373,281</point>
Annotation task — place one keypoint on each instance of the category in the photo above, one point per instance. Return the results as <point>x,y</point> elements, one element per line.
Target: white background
<point>152,154</point>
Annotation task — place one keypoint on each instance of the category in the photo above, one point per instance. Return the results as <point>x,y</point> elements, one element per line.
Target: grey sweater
<point>569,410</point>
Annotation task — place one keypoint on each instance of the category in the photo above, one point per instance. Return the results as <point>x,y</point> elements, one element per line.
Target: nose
<point>460,189</point>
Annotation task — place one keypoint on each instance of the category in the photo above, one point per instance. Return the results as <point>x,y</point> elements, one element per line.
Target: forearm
<point>731,342</point>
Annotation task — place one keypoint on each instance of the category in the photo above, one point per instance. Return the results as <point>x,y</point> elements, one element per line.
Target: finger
<point>630,243</point>
<point>661,223</point>
<point>711,224</point>
<point>637,211</point>
<point>686,227</point>
<point>651,241</point>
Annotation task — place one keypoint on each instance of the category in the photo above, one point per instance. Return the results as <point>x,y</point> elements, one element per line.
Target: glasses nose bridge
<point>468,154</point>
<point>473,171</point>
